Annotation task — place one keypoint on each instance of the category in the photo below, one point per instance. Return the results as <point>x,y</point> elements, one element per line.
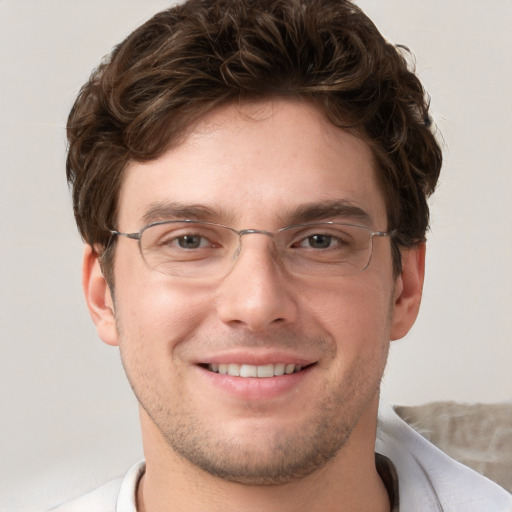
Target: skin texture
<point>208,441</point>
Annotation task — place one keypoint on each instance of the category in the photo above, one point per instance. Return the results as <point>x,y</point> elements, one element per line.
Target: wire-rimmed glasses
<point>190,248</point>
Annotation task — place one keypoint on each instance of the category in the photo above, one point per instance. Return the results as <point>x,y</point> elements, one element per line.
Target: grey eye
<point>319,241</point>
<point>190,241</point>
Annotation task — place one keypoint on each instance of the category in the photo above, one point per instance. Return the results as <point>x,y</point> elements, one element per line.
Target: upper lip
<point>256,358</point>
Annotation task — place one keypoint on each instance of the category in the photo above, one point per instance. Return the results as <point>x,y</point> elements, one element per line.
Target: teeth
<point>279,369</point>
<point>234,369</point>
<point>265,371</point>
<point>251,370</point>
<point>247,370</point>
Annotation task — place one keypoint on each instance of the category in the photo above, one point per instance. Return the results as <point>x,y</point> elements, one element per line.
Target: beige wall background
<point>68,420</point>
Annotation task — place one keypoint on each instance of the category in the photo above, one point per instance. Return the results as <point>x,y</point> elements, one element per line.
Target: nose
<point>257,293</point>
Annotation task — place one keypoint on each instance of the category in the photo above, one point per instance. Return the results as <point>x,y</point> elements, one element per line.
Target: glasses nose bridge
<point>251,231</point>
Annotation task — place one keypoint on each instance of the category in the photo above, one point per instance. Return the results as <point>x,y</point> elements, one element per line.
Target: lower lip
<point>252,388</point>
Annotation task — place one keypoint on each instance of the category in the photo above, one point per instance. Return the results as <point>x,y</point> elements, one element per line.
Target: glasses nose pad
<point>238,248</point>
<point>369,254</point>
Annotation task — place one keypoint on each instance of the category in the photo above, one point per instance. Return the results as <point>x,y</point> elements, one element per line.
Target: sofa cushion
<point>477,435</point>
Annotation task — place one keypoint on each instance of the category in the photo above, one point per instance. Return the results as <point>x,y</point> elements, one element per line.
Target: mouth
<point>256,378</point>
<point>255,371</point>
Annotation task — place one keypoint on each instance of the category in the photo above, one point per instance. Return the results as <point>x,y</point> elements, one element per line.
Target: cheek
<point>152,312</point>
<point>160,315</point>
<point>154,323</point>
<point>356,316</point>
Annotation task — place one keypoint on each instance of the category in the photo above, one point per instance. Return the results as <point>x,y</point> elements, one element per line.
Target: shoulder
<point>117,495</point>
<point>428,479</point>
<point>102,499</point>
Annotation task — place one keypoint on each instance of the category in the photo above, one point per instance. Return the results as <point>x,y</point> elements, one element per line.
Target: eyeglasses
<point>201,249</point>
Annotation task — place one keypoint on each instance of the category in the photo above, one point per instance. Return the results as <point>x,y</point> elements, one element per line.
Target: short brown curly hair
<point>187,60</point>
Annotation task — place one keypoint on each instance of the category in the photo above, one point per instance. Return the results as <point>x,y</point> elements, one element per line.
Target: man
<point>251,181</point>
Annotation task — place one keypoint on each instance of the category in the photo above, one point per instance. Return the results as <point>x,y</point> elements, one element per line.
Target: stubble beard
<point>284,457</point>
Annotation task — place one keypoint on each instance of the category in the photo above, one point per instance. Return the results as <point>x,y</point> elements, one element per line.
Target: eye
<point>170,243</point>
<point>190,242</point>
<point>322,241</point>
<point>181,237</point>
<point>319,241</point>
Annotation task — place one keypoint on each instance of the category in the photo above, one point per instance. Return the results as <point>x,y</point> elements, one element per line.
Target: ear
<point>98,297</point>
<point>408,290</point>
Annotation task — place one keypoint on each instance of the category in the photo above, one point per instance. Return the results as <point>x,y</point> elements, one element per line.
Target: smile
<point>250,370</point>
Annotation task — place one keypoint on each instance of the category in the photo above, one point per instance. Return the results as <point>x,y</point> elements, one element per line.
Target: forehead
<point>255,163</point>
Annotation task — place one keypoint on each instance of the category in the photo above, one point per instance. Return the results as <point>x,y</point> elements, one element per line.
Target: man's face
<point>255,166</point>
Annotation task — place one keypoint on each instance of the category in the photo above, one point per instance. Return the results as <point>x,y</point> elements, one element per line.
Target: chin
<point>260,453</point>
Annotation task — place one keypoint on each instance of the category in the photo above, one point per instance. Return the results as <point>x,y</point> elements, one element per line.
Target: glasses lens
<point>327,249</point>
<point>188,249</point>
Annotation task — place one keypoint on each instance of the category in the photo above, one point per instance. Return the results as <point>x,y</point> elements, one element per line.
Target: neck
<point>347,483</point>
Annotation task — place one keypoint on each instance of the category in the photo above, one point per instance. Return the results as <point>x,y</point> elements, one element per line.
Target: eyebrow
<point>170,210</point>
<point>340,209</point>
<point>329,210</point>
